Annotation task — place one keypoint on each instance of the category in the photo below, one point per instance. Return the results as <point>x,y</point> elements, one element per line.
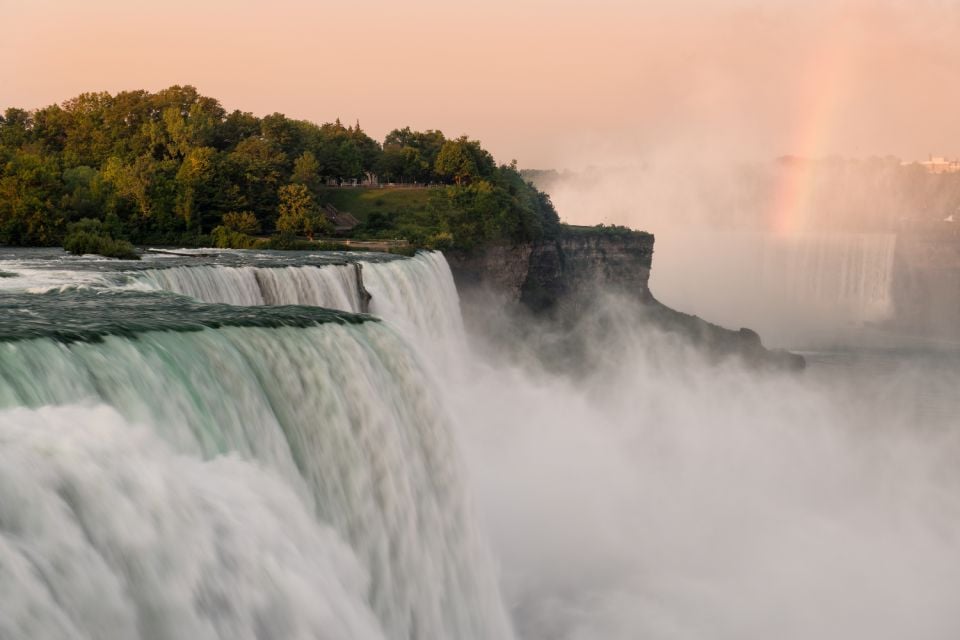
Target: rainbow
<point>822,91</point>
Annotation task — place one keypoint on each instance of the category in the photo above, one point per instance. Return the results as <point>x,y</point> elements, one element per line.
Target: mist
<point>651,493</point>
<point>806,251</point>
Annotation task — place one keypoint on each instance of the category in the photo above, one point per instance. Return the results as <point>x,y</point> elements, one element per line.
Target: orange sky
<point>553,84</point>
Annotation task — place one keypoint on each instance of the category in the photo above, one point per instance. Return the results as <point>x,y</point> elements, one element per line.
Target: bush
<point>244,222</point>
<point>87,236</point>
<point>286,241</point>
<point>440,241</point>
<point>84,242</point>
<point>615,231</point>
<point>226,238</point>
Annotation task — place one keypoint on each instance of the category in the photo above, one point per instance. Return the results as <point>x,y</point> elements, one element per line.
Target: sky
<point>553,84</point>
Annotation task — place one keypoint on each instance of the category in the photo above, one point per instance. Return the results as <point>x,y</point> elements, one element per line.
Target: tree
<point>170,166</point>
<point>298,212</point>
<point>242,222</point>
<point>15,127</point>
<point>455,162</point>
<point>255,168</point>
<point>30,186</point>
<point>412,154</point>
<point>464,160</point>
<point>197,189</point>
<point>306,171</point>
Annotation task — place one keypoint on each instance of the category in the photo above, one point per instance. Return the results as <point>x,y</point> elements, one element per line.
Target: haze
<point>552,84</point>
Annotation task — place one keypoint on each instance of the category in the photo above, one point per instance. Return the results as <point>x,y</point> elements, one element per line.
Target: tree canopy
<point>173,166</point>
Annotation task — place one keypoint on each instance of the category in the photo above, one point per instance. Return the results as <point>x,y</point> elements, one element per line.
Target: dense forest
<point>173,167</point>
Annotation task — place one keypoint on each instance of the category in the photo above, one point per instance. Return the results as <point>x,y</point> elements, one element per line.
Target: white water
<point>343,415</point>
<point>416,295</point>
<point>106,533</point>
<point>334,287</point>
<point>657,496</point>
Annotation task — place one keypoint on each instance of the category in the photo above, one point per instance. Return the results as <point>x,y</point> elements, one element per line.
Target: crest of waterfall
<point>335,420</point>
<point>332,286</point>
<point>418,295</point>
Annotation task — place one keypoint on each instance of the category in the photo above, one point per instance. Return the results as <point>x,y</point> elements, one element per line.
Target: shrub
<point>287,241</point>
<point>88,236</point>
<point>226,238</point>
<point>440,241</point>
<point>244,222</point>
<point>83,242</point>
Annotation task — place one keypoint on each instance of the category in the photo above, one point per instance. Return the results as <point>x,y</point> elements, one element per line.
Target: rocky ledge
<point>558,279</point>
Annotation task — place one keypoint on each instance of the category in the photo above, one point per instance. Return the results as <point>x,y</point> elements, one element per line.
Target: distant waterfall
<point>850,273</point>
<point>106,532</point>
<point>791,289</point>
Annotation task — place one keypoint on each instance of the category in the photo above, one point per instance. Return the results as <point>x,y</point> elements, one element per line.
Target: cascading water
<point>849,272</point>
<point>336,408</point>
<point>792,289</point>
<point>106,533</point>
<point>417,294</point>
<point>173,468</point>
<point>333,286</point>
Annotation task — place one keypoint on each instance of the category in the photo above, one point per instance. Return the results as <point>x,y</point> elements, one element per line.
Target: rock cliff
<point>558,279</point>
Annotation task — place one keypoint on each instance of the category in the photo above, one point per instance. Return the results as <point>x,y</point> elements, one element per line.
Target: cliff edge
<point>559,279</point>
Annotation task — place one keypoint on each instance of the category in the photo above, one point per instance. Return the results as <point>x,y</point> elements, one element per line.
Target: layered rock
<point>559,279</point>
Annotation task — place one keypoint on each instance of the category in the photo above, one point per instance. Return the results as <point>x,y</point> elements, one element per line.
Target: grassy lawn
<point>398,203</point>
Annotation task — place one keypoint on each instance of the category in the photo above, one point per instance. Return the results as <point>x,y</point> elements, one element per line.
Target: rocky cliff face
<point>555,274</point>
<point>559,279</point>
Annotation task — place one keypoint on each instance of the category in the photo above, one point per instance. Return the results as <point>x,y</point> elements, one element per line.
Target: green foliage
<point>30,188</point>
<point>288,241</point>
<point>244,222</point>
<point>388,202</point>
<point>609,231</point>
<point>174,166</point>
<point>501,209</point>
<point>299,212</point>
<point>306,171</point>
<point>408,251</point>
<point>463,160</point>
<point>226,238</point>
<point>440,241</point>
<point>89,236</point>
<point>455,163</point>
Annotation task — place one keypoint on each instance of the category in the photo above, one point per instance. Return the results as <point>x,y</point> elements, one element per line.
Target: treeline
<point>175,167</point>
<point>841,194</point>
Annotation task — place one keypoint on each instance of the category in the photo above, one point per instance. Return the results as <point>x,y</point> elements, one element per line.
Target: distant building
<point>941,165</point>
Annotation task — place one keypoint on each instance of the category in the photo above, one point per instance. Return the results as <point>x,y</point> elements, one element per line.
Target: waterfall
<point>205,438</point>
<point>106,533</point>
<point>333,286</point>
<point>849,273</point>
<point>791,289</point>
<point>418,293</point>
